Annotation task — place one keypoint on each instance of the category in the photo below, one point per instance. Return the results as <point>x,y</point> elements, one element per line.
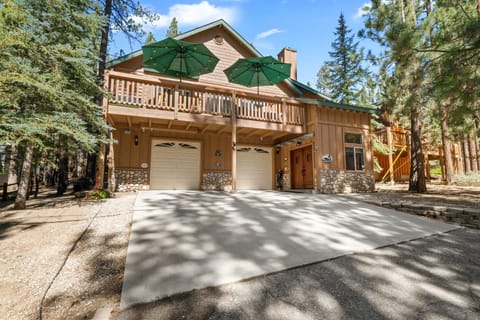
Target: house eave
<point>336,105</point>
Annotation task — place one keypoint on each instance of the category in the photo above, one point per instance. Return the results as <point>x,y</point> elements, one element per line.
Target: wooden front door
<point>302,168</point>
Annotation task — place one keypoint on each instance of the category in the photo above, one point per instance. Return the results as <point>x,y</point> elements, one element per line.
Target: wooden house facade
<point>209,134</point>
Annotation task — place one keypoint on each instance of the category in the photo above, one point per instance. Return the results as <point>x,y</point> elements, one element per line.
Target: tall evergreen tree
<point>150,38</point>
<point>342,76</point>
<point>47,78</point>
<point>172,30</point>
<point>397,26</point>
<point>117,15</point>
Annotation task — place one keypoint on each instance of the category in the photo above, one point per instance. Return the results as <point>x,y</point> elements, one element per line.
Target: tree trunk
<point>447,148</point>
<point>80,164</point>
<point>466,155</point>
<point>473,153</point>
<point>91,169</point>
<point>100,167</point>
<point>107,13</point>
<point>21,199</point>
<point>411,64</point>
<point>62,169</point>
<point>100,158</point>
<point>12,169</point>
<point>417,181</point>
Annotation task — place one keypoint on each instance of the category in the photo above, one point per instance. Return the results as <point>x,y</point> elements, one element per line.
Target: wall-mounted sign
<point>327,158</point>
<point>144,165</point>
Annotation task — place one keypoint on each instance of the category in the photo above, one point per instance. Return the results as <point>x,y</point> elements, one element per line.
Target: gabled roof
<point>219,23</point>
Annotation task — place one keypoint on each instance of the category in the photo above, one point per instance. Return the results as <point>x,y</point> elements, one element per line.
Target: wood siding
<point>332,124</point>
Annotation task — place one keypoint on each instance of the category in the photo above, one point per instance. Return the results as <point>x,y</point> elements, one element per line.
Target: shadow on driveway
<point>190,240</point>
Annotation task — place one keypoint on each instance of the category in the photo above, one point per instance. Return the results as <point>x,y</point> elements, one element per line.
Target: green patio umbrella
<point>258,71</point>
<point>177,58</point>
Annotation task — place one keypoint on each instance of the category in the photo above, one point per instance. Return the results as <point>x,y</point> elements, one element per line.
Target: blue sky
<point>304,25</point>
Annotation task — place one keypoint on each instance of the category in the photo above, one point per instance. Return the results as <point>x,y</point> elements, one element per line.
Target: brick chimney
<point>289,55</point>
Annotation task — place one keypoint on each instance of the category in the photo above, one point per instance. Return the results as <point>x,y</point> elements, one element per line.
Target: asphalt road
<point>436,277</point>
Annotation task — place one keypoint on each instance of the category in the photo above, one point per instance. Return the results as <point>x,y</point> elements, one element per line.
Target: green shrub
<point>436,171</point>
<point>98,194</point>
<point>469,179</point>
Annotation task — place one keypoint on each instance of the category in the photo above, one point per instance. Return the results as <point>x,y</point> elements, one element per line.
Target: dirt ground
<point>36,242</point>
<point>437,194</point>
<point>74,251</point>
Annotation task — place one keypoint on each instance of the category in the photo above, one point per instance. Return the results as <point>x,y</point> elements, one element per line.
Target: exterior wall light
<point>136,140</point>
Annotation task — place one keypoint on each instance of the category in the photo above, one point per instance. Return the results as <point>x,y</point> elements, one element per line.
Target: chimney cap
<point>288,48</point>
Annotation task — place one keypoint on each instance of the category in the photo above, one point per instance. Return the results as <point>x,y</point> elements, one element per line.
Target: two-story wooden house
<point>209,134</point>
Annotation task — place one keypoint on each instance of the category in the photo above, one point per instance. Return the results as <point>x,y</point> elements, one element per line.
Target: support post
<point>390,155</point>
<point>442,164</point>
<point>234,142</point>
<point>111,166</point>
<point>176,96</point>
<point>428,175</point>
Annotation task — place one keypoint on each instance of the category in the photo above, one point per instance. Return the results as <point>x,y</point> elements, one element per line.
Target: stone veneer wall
<point>339,181</point>
<point>131,179</point>
<point>215,180</point>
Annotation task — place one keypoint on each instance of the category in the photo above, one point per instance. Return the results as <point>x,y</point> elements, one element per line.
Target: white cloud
<point>195,14</point>
<point>363,10</point>
<point>268,33</point>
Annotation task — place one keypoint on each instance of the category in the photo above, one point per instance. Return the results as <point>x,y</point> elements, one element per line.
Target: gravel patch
<point>35,243</point>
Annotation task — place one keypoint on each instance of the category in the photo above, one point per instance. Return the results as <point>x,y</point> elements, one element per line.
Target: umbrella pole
<point>181,59</point>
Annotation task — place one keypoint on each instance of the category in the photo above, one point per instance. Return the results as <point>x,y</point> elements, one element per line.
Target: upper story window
<point>356,138</point>
<point>354,151</point>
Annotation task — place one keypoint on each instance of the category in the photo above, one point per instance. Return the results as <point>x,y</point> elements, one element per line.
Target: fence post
<point>4,193</point>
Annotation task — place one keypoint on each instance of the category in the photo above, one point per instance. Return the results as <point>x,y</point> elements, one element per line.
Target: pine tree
<point>117,15</point>
<point>47,78</point>
<point>172,31</point>
<point>150,38</point>
<point>342,76</point>
<point>398,27</point>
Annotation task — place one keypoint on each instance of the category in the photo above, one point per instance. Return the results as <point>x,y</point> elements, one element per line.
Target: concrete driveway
<point>184,240</point>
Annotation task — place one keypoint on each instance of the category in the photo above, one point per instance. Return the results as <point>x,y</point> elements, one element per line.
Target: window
<point>355,138</point>
<point>354,152</point>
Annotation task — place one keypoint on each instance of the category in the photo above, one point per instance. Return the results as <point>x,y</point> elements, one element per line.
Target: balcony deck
<point>148,101</point>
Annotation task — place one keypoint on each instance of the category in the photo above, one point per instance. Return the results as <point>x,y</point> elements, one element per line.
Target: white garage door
<point>254,168</point>
<point>175,165</point>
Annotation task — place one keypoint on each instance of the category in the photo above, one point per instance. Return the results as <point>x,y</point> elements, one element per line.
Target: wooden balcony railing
<point>399,137</point>
<point>132,91</point>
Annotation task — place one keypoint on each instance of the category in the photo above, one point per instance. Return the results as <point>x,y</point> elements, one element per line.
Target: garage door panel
<point>254,168</point>
<point>175,165</point>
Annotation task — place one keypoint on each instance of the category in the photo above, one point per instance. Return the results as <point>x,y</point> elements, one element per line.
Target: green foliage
<point>172,31</point>
<point>98,194</point>
<point>47,73</point>
<point>342,77</point>
<point>442,43</point>
<point>436,171</point>
<point>470,179</point>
